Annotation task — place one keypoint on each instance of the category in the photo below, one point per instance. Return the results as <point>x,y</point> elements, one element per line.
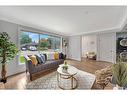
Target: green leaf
<point>120,73</point>
<point>7,47</point>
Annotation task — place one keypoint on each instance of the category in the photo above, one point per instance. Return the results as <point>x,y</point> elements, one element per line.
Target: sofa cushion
<point>48,65</point>
<point>61,56</point>
<point>56,56</point>
<point>27,57</point>
<point>40,59</point>
<point>33,59</point>
<point>51,63</point>
<point>50,56</point>
<point>43,57</point>
<point>54,62</point>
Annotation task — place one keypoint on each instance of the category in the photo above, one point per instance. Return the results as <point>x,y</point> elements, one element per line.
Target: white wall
<point>89,44</point>
<point>104,51</point>
<point>78,45</point>
<point>75,48</point>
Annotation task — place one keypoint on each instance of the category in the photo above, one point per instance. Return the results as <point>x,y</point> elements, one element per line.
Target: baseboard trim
<point>74,60</point>
<point>16,74</point>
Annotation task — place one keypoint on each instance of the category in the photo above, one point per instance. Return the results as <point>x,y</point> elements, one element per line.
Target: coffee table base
<point>67,77</point>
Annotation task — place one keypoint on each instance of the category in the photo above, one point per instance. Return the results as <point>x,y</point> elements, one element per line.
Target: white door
<point>107,47</point>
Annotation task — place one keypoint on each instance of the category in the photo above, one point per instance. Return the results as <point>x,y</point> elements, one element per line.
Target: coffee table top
<point>70,71</point>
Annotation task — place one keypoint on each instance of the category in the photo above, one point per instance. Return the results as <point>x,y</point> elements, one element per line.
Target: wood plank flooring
<point>20,80</point>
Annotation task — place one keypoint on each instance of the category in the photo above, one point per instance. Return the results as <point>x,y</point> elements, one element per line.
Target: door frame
<point>113,46</point>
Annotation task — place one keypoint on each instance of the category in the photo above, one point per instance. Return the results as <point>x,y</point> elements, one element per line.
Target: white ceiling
<point>73,20</point>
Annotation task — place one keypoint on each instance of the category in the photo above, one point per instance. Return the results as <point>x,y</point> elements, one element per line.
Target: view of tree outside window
<point>33,43</point>
<point>45,42</point>
<point>49,43</point>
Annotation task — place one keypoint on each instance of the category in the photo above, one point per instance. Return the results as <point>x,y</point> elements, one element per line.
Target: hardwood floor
<point>89,65</point>
<point>20,80</point>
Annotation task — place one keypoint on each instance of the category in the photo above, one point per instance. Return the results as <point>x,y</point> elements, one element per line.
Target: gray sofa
<point>40,68</point>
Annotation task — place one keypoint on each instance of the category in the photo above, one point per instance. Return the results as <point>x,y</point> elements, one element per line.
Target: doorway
<point>107,47</point>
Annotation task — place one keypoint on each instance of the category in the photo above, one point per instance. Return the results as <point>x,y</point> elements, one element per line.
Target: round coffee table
<point>69,74</point>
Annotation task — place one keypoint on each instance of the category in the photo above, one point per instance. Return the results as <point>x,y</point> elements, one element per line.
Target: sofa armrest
<point>29,65</point>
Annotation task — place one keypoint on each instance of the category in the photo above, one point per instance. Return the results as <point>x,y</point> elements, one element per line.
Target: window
<point>33,43</point>
<point>29,43</point>
<point>49,43</point>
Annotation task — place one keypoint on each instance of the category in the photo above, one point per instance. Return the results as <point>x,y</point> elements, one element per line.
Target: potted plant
<point>65,66</point>
<point>8,50</point>
<point>120,74</point>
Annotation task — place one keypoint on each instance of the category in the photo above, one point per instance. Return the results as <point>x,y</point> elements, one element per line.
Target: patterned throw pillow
<point>43,57</point>
<point>40,59</point>
<point>33,59</point>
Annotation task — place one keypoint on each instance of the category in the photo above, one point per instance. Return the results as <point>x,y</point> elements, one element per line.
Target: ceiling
<point>66,20</point>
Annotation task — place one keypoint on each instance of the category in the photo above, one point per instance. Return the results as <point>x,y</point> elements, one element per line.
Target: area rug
<point>85,81</point>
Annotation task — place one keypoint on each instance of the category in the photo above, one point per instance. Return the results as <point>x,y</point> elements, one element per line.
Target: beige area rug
<point>85,81</point>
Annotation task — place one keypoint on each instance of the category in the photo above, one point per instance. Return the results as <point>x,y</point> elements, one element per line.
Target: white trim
<point>61,44</point>
<point>115,29</point>
<point>34,30</point>
<point>19,31</point>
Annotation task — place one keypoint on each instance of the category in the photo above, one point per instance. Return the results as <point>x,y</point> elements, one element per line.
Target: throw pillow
<point>43,57</point>
<point>33,59</point>
<point>52,56</point>
<point>39,59</point>
<point>49,56</point>
<point>27,58</point>
<point>56,56</point>
<point>61,56</point>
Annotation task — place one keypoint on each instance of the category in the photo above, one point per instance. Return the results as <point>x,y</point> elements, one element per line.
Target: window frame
<point>36,32</point>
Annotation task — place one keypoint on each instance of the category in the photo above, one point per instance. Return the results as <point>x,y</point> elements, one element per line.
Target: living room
<point>63,47</point>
